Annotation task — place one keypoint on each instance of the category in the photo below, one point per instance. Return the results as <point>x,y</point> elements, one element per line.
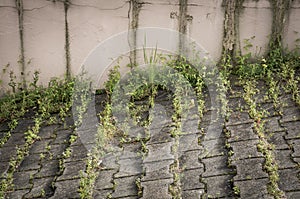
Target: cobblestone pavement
<point>233,169</point>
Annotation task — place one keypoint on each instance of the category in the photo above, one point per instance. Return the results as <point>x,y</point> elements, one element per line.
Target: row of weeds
<point>41,104</point>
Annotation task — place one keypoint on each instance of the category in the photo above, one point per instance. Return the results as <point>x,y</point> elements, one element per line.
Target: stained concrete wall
<point>90,22</point>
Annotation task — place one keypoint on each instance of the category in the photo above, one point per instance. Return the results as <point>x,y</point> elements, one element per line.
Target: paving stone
<point>109,161</point>
<point>241,133</point>
<point>105,179</point>
<point>213,131</point>
<point>157,170</point>
<point>188,142</point>
<point>272,124</point>
<point>236,103</point>
<point>218,186</point>
<point>41,188</point>
<point>4,166</point>
<point>278,140</point>
<point>286,100</point>
<point>158,152</point>
<point>48,169</point>
<point>156,189</point>
<point>296,146</point>
<point>237,118</point>
<point>192,194</point>
<point>190,125</point>
<point>160,135</point>
<point>31,162</point>
<point>190,160</point>
<point>249,169</point>
<point>293,130</point>
<point>213,148</point>
<point>66,189</point>
<point>22,179</point>
<point>289,179</point>
<point>215,166</point>
<point>101,194</point>
<point>290,114</point>
<point>253,189</point>
<point>269,107</point>
<point>48,132</point>
<point>4,127</point>
<point>125,187</point>
<point>16,139</point>
<point>284,159</point>
<point>7,152</point>
<point>39,146</point>
<point>245,149</point>
<point>18,194</point>
<point>72,170</point>
<point>131,150</point>
<point>293,195</point>
<point>190,179</point>
<point>23,125</point>
<point>79,152</point>
<point>129,167</point>
<point>62,136</point>
<point>57,150</point>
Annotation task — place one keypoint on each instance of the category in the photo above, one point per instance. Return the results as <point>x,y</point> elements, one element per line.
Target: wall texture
<point>55,36</point>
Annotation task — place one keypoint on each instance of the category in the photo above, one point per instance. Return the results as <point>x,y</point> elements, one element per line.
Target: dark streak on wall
<point>19,6</point>
<point>182,19</point>
<point>133,15</point>
<point>67,40</point>
<point>280,10</point>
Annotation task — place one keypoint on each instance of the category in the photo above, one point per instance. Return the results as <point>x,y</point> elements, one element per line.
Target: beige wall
<point>93,21</point>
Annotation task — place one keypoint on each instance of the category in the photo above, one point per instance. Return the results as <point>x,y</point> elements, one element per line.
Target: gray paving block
<point>253,189</point>
<point>293,129</point>
<point>125,187</point>
<point>249,169</point>
<point>129,167</point>
<point>290,114</point>
<point>237,118</point>
<point>215,166</point>
<point>190,160</point>
<point>192,194</point>
<point>105,179</point>
<point>157,189</point>
<point>288,179</point>
<point>158,152</point>
<point>41,188</point>
<point>72,170</point>
<point>66,189</point>
<point>284,159</point>
<point>190,179</point>
<point>218,186</point>
<point>241,132</point>
<point>157,170</point>
<point>21,180</point>
<point>245,149</point>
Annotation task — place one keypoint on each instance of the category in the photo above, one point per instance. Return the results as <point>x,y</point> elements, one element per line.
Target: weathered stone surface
<point>158,152</point>
<point>188,142</point>
<point>157,170</point>
<point>245,149</point>
<point>125,187</point>
<point>100,194</point>
<point>191,179</point>
<point>160,135</point>
<point>62,136</point>
<point>48,132</point>
<point>289,180</point>
<point>79,152</point>
<point>49,168</point>
<point>31,162</point>
<point>192,194</point>
<point>272,124</point>
<point>105,179</point>
<point>72,170</point>
<point>7,152</point>
<point>283,159</point>
<point>18,194</point>
<point>249,169</point>
<point>290,114</point>
<point>131,150</point>
<point>22,179</point>
<point>218,186</point>
<point>241,132</point>
<point>215,166</point>
<point>293,195</point>
<point>66,189</point>
<point>278,140</point>
<point>253,189</point>
<point>39,146</point>
<point>212,148</point>
<point>293,130</point>
<point>16,139</point>
<point>296,146</point>
<point>156,189</point>
<point>190,160</point>
<point>4,166</point>
<point>237,118</point>
<point>41,188</point>
<point>129,167</point>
